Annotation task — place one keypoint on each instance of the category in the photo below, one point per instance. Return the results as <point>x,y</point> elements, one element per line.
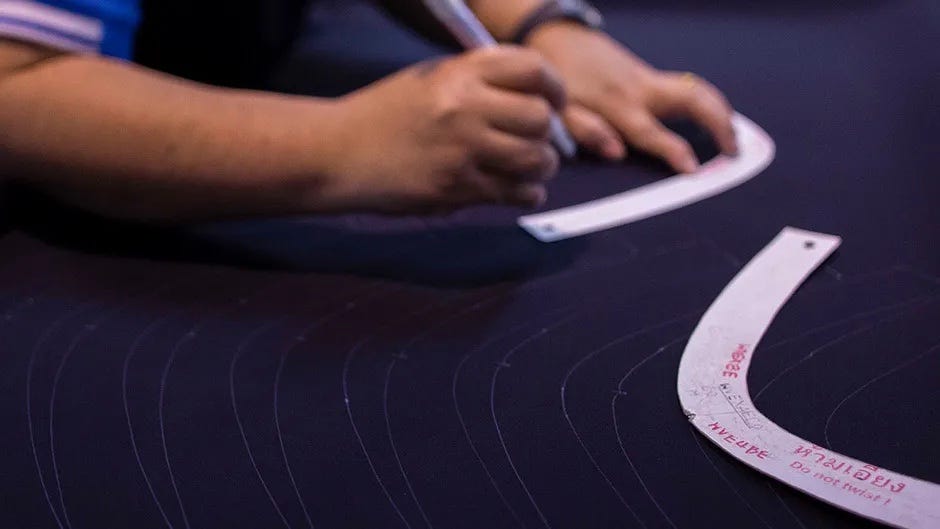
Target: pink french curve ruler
<point>756,151</point>
<point>713,391</point>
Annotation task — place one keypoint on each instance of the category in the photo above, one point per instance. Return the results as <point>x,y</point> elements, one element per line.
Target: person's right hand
<point>450,133</point>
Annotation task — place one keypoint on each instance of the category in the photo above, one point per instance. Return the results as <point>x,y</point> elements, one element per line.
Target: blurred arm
<point>121,140</point>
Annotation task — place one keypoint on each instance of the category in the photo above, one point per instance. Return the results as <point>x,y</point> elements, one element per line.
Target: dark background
<point>453,372</point>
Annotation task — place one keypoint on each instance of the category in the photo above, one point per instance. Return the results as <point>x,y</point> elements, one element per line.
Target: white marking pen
<point>469,31</point>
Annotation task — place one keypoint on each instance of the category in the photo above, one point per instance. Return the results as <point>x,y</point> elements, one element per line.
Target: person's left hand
<point>616,99</point>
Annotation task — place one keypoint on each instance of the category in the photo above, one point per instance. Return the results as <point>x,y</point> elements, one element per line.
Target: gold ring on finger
<point>689,80</point>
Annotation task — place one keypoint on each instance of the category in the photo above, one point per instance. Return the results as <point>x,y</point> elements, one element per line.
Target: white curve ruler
<point>714,395</point>
<point>755,152</point>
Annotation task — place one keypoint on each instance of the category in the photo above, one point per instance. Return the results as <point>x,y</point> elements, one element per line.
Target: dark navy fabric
<point>232,42</point>
<point>362,372</point>
<point>242,43</point>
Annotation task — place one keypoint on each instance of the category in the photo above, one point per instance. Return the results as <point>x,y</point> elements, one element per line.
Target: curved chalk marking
<point>755,152</point>
<point>713,391</point>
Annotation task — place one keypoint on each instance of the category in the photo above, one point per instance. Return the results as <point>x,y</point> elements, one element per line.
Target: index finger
<point>646,133</point>
<point>685,94</point>
<point>522,70</point>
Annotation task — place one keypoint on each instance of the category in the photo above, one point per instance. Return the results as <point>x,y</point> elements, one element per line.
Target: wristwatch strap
<point>577,11</point>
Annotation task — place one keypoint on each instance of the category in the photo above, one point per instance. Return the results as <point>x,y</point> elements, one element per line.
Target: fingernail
<point>613,150</point>
<point>689,165</point>
<point>537,196</point>
<point>539,201</point>
<point>733,151</point>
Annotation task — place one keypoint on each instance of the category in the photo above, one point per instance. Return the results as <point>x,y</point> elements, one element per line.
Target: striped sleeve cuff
<point>65,29</point>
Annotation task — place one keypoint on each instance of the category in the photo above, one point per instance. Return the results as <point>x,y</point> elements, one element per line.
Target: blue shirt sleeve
<point>107,27</point>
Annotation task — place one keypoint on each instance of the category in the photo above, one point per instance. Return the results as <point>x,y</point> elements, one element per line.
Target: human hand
<point>616,99</point>
<point>449,133</point>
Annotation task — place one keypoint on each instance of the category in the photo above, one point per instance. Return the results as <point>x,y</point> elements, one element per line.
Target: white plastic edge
<point>756,151</point>
<point>713,392</point>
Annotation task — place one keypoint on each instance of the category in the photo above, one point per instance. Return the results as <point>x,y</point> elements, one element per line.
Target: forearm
<point>123,141</point>
<point>503,17</point>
